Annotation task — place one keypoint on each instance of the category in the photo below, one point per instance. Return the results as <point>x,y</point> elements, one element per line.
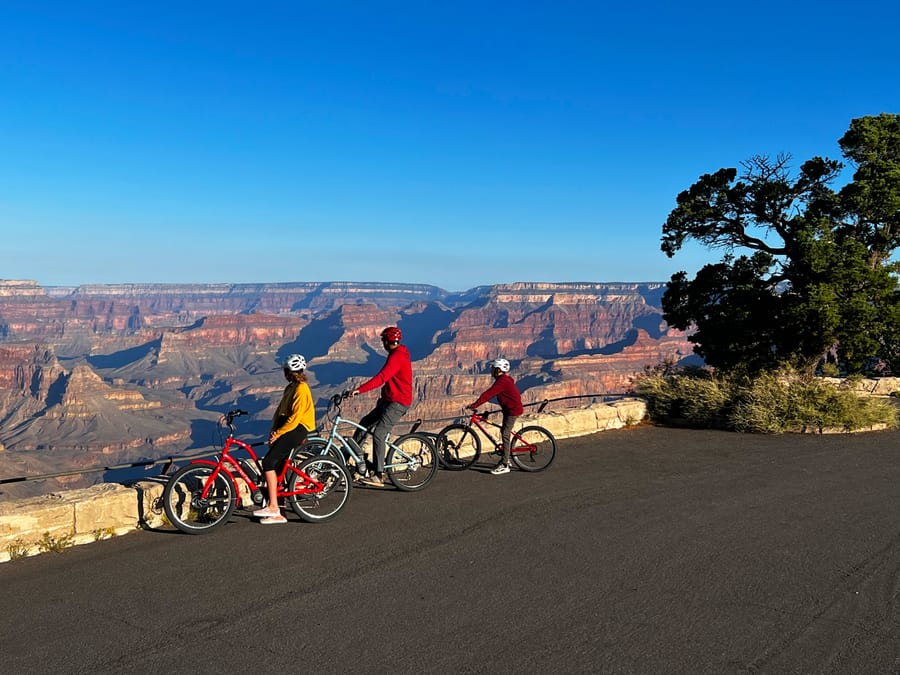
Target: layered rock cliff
<point>142,370</point>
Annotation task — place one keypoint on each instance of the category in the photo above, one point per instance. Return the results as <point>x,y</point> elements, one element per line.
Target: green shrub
<point>103,533</point>
<point>760,406</point>
<point>769,403</point>
<point>830,369</point>
<point>49,543</point>
<point>17,549</point>
<point>693,398</point>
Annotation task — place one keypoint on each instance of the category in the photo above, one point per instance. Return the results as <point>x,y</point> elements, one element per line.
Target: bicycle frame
<point>517,444</point>
<point>232,468</point>
<point>335,440</point>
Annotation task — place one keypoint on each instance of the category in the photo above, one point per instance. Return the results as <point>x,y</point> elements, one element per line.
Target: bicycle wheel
<point>299,452</point>
<point>416,462</point>
<point>533,448</point>
<point>315,447</point>
<point>431,436</point>
<point>458,447</point>
<point>317,507</point>
<point>185,506</point>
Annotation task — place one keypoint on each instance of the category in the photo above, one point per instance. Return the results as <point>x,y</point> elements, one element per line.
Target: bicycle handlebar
<point>231,414</point>
<point>337,399</point>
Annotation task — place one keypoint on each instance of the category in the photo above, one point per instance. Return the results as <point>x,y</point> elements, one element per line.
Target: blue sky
<point>456,144</point>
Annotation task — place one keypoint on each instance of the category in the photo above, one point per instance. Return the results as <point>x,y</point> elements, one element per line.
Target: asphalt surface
<point>648,550</point>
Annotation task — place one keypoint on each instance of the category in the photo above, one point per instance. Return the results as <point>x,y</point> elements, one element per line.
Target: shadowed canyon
<point>105,374</point>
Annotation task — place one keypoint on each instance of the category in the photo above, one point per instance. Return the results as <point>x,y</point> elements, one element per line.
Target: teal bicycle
<point>411,459</point>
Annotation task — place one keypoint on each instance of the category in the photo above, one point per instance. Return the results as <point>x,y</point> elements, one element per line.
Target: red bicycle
<point>532,448</point>
<point>203,494</point>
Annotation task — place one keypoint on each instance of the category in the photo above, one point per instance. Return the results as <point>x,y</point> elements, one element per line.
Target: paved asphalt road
<point>640,551</point>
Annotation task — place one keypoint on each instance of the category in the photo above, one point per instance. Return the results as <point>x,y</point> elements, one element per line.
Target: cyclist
<point>395,380</point>
<point>507,393</point>
<point>294,418</point>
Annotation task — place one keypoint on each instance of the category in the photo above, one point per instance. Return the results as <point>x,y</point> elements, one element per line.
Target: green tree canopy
<point>806,272</point>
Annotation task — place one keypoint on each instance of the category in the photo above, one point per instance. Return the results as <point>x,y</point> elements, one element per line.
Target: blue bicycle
<point>410,463</point>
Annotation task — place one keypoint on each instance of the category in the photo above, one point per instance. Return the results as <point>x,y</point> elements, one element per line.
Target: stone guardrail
<point>56,521</point>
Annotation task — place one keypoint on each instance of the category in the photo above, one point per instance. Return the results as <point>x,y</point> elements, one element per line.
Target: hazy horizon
<point>338,281</point>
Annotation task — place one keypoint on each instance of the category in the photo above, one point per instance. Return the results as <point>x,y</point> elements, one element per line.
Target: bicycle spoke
<point>411,462</point>
<point>331,484</point>
<point>458,447</point>
<point>187,508</point>
<point>533,449</point>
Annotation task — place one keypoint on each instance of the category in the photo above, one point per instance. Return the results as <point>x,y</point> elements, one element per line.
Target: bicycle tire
<point>411,478</point>
<point>300,452</point>
<point>184,507</point>
<point>458,447</point>
<point>317,507</point>
<point>315,447</point>
<point>543,453</point>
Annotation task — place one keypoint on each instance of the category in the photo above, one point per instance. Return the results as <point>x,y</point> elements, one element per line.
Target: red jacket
<point>507,393</point>
<point>395,376</point>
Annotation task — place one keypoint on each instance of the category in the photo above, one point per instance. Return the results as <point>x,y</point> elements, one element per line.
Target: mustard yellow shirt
<point>296,407</point>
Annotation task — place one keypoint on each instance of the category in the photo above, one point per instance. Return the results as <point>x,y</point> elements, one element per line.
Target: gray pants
<point>509,421</point>
<point>380,422</point>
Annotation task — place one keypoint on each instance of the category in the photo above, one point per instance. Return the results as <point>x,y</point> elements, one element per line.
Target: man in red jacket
<point>395,380</point>
<point>507,393</point>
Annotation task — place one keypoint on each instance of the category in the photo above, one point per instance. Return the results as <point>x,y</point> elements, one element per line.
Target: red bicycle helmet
<point>391,334</point>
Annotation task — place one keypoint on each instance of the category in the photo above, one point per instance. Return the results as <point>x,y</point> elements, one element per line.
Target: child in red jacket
<point>510,401</point>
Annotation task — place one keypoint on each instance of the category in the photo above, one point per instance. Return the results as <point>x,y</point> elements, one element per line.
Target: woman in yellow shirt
<point>294,418</point>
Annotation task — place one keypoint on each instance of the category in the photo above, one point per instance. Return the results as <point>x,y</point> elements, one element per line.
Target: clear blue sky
<point>452,143</point>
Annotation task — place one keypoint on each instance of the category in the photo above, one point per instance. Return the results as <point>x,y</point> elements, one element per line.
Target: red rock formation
<point>27,369</point>
<point>125,370</point>
<point>263,331</point>
<point>45,408</point>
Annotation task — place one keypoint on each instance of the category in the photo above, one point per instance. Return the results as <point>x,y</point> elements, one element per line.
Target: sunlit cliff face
<point>144,368</point>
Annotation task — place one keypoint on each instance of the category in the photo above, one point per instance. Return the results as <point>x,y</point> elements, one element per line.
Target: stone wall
<point>52,523</point>
<point>881,386</point>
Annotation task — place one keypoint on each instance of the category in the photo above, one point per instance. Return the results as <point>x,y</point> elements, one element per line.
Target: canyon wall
<point>97,374</point>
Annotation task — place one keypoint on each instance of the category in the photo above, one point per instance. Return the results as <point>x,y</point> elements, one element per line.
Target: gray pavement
<point>648,550</point>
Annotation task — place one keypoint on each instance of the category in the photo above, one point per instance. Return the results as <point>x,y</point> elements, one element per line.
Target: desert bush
<point>49,543</point>
<point>103,533</point>
<point>694,398</point>
<point>760,405</point>
<point>768,403</point>
<point>18,549</point>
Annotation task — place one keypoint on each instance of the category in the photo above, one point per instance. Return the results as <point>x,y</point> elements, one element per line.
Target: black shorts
<point>281,448</point>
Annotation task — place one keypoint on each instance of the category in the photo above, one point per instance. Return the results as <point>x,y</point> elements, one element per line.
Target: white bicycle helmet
<point>295,363</point>
<point>502,364</point>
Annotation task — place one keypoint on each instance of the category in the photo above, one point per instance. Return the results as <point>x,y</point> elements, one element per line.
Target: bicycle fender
<point>208,462</point>
<point>224,469</point>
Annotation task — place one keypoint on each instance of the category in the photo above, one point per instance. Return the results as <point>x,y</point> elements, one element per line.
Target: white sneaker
<point>500,469</point>
<point>266,513</point>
